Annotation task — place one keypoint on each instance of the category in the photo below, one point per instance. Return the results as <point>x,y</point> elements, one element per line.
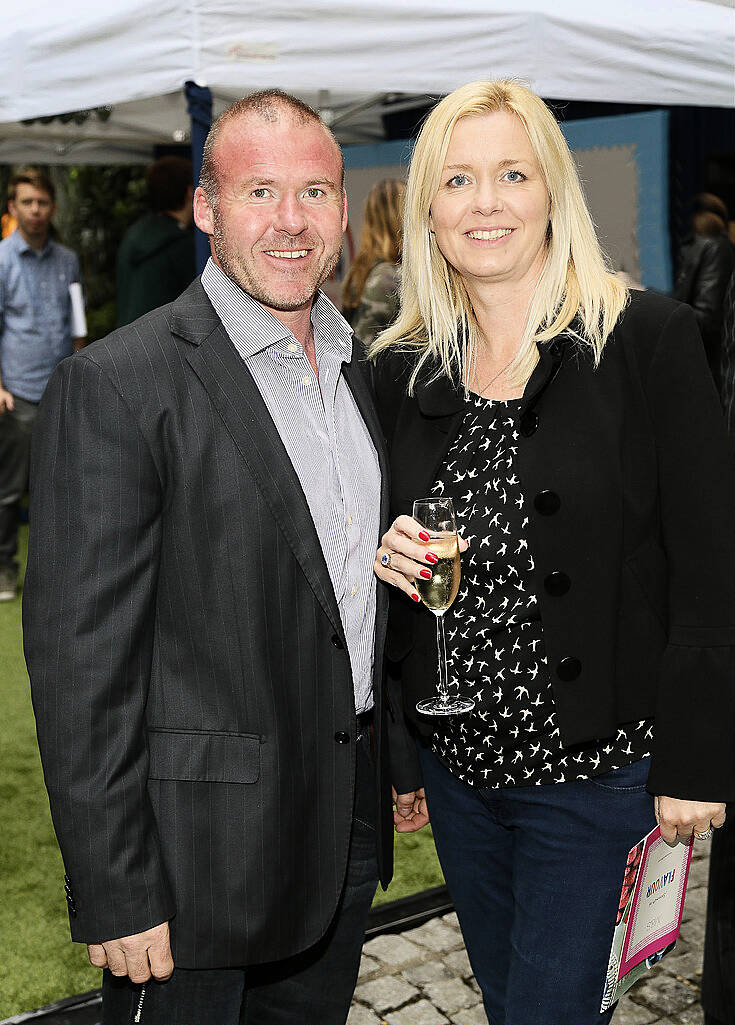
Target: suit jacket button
<point>336,642</point>
<point>529,423</point>
<point>342,738</point>
<point>569,669</point>
<point>557,584</point>
<point>547,503</point>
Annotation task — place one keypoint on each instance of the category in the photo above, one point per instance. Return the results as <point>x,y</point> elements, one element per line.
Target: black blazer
<point>629,477</point>
<point>189,669</point>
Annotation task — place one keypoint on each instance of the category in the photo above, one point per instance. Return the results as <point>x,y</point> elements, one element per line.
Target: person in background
<point>370,293</point>
<point>35,335</point>
<point>718,978</point>
<point>155,262</point>
<point>705,265</point>
<point>575,426</point>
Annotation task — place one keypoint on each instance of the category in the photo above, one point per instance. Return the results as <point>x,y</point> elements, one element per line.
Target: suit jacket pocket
<point>204,757</point>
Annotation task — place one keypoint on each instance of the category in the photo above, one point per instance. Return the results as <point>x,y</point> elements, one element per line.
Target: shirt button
<point>292,347</point>
<point>349,521</point>
<point>353,592</point>
<point>306,381</point>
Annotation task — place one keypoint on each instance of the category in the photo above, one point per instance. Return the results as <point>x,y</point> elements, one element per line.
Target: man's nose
<point>290,215</point>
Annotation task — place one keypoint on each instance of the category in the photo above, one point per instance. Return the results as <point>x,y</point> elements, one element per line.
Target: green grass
<point>39,962</point>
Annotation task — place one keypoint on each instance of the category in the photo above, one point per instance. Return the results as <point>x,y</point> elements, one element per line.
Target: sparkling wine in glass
<point>436,516</point>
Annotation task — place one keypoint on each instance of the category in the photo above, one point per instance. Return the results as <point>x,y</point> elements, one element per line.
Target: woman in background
<point>371,289</point>
<point>576,428</point>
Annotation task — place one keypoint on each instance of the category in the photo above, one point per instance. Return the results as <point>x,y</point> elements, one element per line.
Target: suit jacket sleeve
<point>89,610</point>
<point>694,754</point>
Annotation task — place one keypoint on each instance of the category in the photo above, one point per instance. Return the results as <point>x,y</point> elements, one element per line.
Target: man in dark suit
<point>202,627</point>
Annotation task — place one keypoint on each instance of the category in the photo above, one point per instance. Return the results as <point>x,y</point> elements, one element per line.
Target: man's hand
<point>678,819</point>
<point>7,402</point>
<point>139,956</point>
<point>411,812</point>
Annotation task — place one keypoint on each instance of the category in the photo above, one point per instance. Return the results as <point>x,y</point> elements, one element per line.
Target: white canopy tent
<point>125,62</point>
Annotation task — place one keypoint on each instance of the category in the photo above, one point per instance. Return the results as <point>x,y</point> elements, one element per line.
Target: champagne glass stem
<point>441,645</point>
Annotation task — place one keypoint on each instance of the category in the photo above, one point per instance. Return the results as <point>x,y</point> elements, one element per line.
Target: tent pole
<point>199,105</point>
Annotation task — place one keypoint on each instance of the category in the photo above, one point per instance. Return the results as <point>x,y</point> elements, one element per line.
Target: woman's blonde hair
<point>436,318</point>
<point>380,237</point>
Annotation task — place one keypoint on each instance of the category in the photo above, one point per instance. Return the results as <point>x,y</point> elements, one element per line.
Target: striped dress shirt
<point>327,442</point>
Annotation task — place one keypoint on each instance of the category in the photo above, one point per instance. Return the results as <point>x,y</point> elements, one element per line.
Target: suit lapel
<point>236,397</point>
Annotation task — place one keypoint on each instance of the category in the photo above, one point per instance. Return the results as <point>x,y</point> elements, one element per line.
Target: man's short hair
<point>31,176</point>
<point>270,105</point>
<point>168,180</point>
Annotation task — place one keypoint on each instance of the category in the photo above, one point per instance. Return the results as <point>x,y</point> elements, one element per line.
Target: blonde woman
<point>370,291</point>
<point>577,430</point>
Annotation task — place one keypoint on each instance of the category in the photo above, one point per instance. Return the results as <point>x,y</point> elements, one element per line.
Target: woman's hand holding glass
<point>404,555</point>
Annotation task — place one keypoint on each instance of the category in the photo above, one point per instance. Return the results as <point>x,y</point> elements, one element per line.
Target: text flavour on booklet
<point>649,912</point>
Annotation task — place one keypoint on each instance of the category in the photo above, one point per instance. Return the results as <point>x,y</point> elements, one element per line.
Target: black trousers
<point>313,988</point>
<point>718,981</point>
<point>16,426</point>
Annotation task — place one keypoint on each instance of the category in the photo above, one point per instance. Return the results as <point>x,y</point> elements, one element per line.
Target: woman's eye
<point>458,180</point>
<point>515,176</point>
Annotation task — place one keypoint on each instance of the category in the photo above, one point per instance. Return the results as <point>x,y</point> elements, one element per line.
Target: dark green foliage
<point>102,203</point>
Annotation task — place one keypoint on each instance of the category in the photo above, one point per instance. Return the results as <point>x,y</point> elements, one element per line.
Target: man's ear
<point>344,211</point>
<point>203,216</point>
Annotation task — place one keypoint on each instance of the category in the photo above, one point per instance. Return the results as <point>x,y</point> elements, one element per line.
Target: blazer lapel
<point>236,397</point>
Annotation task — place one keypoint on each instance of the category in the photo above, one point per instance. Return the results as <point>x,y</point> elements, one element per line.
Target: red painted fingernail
<point>415,597</point>
<point>425,573</point>
<point>424,536</point>
<point>430,557</point>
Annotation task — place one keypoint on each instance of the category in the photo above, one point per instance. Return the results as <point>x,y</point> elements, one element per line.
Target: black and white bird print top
<point>495,638</point>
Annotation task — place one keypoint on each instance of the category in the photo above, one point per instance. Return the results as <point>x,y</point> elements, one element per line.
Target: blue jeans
<point>535,875</point>
<point>313,988</point>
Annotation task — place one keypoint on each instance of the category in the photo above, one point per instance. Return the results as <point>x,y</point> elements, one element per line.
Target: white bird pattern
<point>497,611</point>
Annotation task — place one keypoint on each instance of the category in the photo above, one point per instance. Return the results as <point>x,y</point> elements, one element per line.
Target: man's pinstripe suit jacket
<point>188,664</point>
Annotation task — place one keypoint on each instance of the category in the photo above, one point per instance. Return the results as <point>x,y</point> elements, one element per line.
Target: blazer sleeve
<point>88,615</point>
<point>694,744</point>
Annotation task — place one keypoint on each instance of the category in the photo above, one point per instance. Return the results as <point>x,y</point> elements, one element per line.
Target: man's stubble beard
<point>235,269</point>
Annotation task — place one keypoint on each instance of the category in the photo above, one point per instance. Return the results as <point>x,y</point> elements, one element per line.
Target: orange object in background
<point>8,224</point>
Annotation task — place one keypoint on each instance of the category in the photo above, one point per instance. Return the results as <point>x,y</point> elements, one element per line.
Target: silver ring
<point>385,559</point>
<point>703,836</point>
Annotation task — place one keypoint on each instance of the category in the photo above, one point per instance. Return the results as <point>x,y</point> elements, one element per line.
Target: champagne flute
<point>436,515</point>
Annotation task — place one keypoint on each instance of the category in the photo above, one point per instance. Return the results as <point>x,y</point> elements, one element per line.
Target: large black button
<point>547,503</point>
<point>569,669</point>
<point>336,642</point>
<point>342,738</point>
<point>529,423</point>
<point>557,584</point>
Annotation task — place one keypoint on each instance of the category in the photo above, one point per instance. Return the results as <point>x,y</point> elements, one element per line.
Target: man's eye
<point>314,192</point>
<point>515,176</point>
<point>259,193</point>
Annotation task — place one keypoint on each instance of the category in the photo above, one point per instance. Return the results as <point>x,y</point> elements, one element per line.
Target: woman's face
<point>491,210</point>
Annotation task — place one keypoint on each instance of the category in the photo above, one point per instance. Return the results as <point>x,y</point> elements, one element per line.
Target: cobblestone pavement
<point>422,976</point>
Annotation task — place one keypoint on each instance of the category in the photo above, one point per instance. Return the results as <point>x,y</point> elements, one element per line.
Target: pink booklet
<point>649,913</point>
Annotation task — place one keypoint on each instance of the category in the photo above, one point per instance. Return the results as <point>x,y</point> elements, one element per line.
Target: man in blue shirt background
<point>35,335</point>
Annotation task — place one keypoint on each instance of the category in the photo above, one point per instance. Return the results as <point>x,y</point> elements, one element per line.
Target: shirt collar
<point>23,247</point>
<point>253,328</point>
